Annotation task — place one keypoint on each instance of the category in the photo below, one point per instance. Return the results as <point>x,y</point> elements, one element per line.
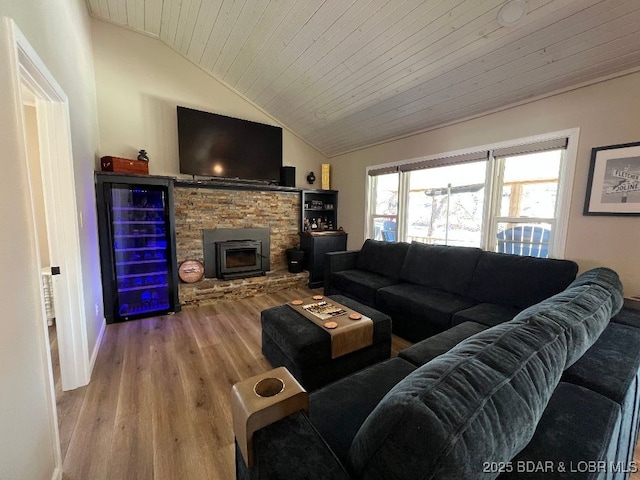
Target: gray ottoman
<point>292,341</point>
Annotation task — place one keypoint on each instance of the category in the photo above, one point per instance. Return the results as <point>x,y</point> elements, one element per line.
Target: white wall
<point>139,83</point>
<point>59,32</point>
<point>607,113</point>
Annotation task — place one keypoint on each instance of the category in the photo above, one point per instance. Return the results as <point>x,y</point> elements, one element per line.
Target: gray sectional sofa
<point>427,289</point>
<point>552,393</point>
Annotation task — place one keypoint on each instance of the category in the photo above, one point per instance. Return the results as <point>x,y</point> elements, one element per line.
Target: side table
<point>262,400</point>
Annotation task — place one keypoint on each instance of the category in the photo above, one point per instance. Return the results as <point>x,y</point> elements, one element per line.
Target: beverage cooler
<point>137,246</point>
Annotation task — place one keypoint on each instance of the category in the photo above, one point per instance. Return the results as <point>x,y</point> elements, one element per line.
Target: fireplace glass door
<point>239,258</point>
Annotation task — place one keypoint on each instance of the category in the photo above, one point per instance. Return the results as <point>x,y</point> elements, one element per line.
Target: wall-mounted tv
<point>214,145</point>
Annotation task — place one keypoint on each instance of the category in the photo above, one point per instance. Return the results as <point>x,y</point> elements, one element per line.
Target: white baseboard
<point>96,347</point>
<point>57,474</point>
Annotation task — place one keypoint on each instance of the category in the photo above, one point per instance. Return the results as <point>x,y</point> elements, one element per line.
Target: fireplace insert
<point>239,259</point>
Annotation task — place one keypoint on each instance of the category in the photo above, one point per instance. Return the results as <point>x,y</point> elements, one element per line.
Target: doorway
<point>42,238</point>
<point>53,182</point>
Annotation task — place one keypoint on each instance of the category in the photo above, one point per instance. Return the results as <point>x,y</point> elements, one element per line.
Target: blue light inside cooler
<point>140,245</point>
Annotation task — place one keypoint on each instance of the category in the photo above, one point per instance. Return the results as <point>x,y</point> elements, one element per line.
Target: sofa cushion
<point>611,365</point>
<point>422,303</point>
<point>493,386</point>
<point>278,448</point>
<point>628,316</point>
<point>383,258</point>
<point>426,350</point>
<point>488,314</point>
<point>360,284</point>
<point>442,267</point>
<point>338,410</point>
<point>518,281</point>
<point>611,368</point>
<point>577,430</point>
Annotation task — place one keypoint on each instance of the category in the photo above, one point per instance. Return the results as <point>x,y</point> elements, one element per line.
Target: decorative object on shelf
<point>123,165</point>
<point>325,176</point>
<point>143,156</point>
<point>191,271</point>
<point>614,180</point>
<point>311,178</point>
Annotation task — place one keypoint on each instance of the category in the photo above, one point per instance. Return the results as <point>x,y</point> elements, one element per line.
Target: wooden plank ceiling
<point>344,74</point>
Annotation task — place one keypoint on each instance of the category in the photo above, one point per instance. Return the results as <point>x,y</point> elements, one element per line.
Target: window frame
<point>494,217</point>
<point>557,244</point>
<point>370,202</point>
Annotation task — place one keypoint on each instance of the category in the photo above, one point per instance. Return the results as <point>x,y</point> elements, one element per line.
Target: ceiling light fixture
<point>511,13</point>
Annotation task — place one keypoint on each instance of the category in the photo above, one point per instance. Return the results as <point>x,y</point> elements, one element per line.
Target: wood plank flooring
<point>158,405</point>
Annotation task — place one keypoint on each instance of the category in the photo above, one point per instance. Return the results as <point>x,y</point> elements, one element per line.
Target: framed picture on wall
<point>614,180</point>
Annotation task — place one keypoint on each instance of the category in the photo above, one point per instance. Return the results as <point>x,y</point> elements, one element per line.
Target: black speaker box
<point>288,176</point>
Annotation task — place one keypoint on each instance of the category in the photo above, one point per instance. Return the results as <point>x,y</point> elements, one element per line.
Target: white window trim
<point>565,184</point>
<point>565,190</point>
<point>368,226</point>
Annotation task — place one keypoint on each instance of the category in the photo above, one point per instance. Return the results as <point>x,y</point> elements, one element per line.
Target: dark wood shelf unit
<point>321,205</point>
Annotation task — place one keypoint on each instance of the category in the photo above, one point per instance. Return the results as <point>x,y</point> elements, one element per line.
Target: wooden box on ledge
<point>124,165</point>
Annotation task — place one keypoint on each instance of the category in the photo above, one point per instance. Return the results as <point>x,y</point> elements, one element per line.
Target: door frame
<point>58,186</point>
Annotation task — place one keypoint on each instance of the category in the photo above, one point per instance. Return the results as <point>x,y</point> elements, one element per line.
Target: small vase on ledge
<point>311,178</point>
<point>142,155</point>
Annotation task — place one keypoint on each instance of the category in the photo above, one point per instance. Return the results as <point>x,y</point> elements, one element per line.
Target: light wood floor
<point>158,404</point>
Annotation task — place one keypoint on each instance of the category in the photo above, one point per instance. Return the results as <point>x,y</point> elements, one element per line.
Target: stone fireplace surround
<point>199,207</point>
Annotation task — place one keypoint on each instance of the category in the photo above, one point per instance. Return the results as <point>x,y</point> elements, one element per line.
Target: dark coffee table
<point>291,340</point>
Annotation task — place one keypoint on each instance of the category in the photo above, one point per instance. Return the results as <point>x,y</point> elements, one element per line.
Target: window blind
<point>382,170</point>
<point>444,161</point>
<point>555,144</point>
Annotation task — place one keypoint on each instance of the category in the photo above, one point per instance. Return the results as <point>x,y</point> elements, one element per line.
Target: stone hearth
<point>199,208</point>
<point>210,290</point>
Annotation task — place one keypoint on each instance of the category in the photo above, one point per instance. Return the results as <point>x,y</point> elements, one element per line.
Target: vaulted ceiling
<point>344,74</point>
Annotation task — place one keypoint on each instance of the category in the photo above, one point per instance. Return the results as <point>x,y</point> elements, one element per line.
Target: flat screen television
<point>214,145</point>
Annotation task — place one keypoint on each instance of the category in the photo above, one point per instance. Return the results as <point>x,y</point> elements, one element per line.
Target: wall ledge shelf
<point>233,185</point>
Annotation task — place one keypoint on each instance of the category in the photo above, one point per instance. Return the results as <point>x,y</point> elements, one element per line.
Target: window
<point>525,216</point>
<point>445,204</point>
<point>506,199</point>
<point>383,202</point>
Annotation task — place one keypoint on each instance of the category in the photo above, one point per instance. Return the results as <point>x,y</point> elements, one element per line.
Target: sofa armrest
<point>337,262</point>
<point>290,448</point>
